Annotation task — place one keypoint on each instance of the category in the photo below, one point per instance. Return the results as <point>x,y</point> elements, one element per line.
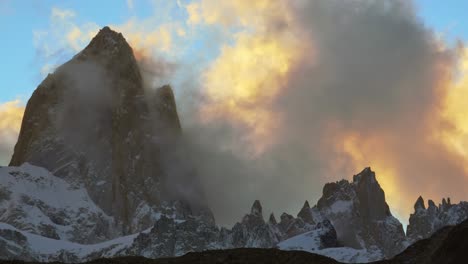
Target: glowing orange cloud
<point>259,13</point>
<point>11,115</point>
<point>364,151</point>
<point>441,143</point>
<point>455,134</point>
<point>242,83</point>
<point>244,80</point>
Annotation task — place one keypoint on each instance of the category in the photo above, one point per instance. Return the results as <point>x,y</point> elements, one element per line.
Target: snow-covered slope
<point>31,247</point>
<point>34,200</point>
<point>315,241</point>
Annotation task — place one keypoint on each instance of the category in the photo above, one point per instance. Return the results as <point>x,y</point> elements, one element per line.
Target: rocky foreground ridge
<point>93,176</point>
<point>446,246</point>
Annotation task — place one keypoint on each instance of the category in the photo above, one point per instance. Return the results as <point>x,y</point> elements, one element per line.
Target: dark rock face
<point>426,221</point>
<point>272,220</point>
<point>360,214</point>
<point>371,197</point>
<point>93,124</point>
<point>329,239</point>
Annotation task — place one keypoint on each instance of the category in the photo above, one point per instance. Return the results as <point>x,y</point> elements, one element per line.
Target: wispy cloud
<point>130,4</point>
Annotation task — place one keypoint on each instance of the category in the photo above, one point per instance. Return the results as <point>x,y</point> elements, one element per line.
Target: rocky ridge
<point>426,221</point>
<point>447,246</point>
<point>175,230</point>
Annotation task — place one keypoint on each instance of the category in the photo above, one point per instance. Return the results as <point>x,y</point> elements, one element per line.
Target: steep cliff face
<point>93,124</point>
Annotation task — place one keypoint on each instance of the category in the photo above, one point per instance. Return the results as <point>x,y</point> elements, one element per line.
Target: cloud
<point>374,96</point>
<point>64,38</point>
<point>11,114</point>
<point>130,4</point>
<point>62,14</point>
<point>153,37</point>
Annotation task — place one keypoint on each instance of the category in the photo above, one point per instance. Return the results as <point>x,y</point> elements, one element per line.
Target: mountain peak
<point>256,208</point>
<point>366,175</point>
<point>109,44</point>
<point>305,213</point>
<point>108,36</point>
<point>272,219</point>
<point>419,204</point>
<point>93,124</point>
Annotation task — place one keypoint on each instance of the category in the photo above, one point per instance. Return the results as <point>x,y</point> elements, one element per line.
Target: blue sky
<point>448,17</point>
<point>19,19</point>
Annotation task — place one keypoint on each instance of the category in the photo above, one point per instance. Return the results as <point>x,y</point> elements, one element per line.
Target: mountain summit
<point>360,214</point>
<point>94,124</point>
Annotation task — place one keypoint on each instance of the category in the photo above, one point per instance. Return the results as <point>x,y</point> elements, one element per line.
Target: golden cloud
<point>245,79</point>
<point>237,13</point>
<point>455,132</point>
<point>11,115</point>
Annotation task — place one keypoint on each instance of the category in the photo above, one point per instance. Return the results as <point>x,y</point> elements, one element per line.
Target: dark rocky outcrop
<point>448,245</point>
<point>360,214</point>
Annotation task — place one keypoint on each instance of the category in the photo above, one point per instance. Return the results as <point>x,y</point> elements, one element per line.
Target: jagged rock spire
<point>256,209</point>
<point>356,207</point>
<point>305,213</point>
<point>366,175</point>
<point>272,219</point>
<point>419,204</point>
